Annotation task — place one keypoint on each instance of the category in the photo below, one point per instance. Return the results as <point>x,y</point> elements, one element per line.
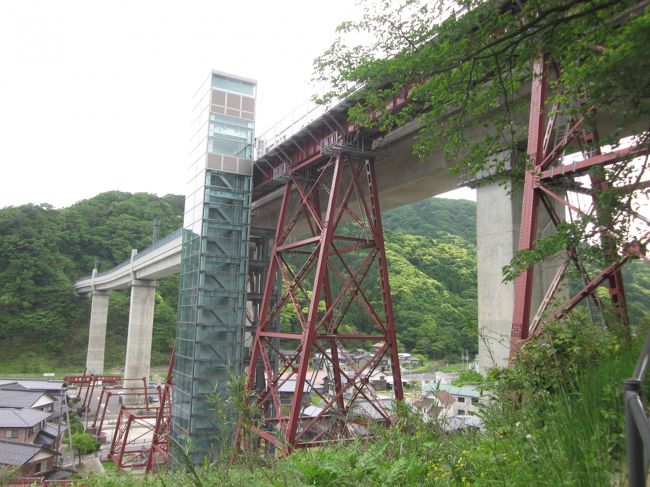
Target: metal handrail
<point>159,243</point>
<point>301,116</point>
<point>637,424</point>
<point>163,241</point>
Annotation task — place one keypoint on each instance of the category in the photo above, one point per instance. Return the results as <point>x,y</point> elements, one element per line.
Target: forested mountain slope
<point>430,247</point>
<point>44,250</point>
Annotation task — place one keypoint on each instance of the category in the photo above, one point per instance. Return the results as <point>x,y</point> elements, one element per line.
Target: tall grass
<point>568,432</point>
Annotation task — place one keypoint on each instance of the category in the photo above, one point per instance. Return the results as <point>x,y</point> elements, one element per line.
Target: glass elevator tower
<point>214,261</point>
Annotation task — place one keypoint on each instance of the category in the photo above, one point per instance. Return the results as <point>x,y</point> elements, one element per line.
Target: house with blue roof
<point>455,400</point>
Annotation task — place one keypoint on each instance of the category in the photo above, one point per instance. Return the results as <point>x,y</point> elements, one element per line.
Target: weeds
<point>557,419</point>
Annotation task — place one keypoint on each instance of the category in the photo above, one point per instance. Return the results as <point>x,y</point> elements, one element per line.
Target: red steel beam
<point>528,229</point>
<point>597,160</point>
<point>324,283</point>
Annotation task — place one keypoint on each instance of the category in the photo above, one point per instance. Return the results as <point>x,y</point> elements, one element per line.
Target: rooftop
<point>14,398</point>
<point>21,418</point>
<point>467,391</point>
<point>17,453</point>
<point>32,384</point>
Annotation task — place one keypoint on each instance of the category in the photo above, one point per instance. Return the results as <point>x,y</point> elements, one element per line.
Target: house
<point>49,434</point>
<point>21,425</point>
<point>21,399</point>
<point>287,390</point>
<point>378,382</point>
<point>465,399</point>
<point>31,460</point>
<point>408,359</point>
<point>53,387</point>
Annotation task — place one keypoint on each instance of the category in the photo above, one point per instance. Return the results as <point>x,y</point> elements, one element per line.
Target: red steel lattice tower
<point>548,178</point>
<point>328,256</point>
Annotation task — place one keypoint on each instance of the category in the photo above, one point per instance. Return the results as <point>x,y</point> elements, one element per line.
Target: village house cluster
<point>31,425</point>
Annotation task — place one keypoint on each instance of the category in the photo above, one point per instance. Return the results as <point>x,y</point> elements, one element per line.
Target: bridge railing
<point>297,119</point>
<point>159,243</point>
<point>119,266</point>
<point>163,241</point>
<point>637,425</point>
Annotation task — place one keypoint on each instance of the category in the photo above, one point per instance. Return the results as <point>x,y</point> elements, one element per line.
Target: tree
<point>465,76</point>
<point>467,63</point>
<point>83,444</point>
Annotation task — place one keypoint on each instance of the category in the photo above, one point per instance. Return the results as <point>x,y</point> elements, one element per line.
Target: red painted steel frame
<point>129,450</point>
<point>542,170</point>
<point>322,276</point>
<point>159,451</point>
<point>528,228</point>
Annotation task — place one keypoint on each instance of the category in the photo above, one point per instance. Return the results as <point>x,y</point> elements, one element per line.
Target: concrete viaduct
<point>402,179</point>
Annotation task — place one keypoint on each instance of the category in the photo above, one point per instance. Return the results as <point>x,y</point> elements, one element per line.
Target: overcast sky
<point>96,95</point>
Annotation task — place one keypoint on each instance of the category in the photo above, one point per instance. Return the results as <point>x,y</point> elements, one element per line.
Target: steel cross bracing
<point>159,450</point>
<point>308,390</point>
<point>550,179</point>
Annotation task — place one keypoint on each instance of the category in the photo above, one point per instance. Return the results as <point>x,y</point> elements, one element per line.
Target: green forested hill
<point>430,248</point>
<point>43,250</point>
<point>434,217</point>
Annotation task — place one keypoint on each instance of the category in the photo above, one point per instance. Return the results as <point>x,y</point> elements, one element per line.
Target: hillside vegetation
<point>43,325</point>
<point>43,250</point>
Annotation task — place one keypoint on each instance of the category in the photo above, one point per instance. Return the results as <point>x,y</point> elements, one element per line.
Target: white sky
<point>96,95</point>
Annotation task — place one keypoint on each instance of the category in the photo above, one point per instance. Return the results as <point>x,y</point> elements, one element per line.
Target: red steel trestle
<point>331,263</point>
<point>548,171</point>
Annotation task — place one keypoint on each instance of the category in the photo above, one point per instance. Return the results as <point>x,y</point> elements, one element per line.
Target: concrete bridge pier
<point>498,217</point>
<point>97,332</point>
<point>138,344</point>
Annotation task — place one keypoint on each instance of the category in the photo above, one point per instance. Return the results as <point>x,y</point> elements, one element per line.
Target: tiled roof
<point>21,418</point>
<point>51,429</point>
<point>445,398</point>
<point>11,398</point>
<point>17,453</point>
<point>32,384</point>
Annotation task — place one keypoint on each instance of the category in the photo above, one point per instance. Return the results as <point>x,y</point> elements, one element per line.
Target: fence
<point>637,426</point>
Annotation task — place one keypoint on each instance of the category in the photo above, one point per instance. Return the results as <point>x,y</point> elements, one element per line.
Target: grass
<point>109,467</point>
<point>451,368</point>
<point>572,436</point>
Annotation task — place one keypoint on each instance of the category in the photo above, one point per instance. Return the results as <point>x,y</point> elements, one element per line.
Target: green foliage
<point>556,359</point>
<point>44,250</point>
<point>637,291</point>
<point>75,425</point>
<point>432,258</point>
<point>465,72</point>
<point>8,474</point>
<point>468,377</point>
<point>84,443</point>
<point>571,436</point>
<point>464,69</point>
<point>439,218</point>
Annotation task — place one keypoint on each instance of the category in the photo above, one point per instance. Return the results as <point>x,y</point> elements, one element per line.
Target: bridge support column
<point>498,219</point>
<point>97,332</point>
<point>138,345</point>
